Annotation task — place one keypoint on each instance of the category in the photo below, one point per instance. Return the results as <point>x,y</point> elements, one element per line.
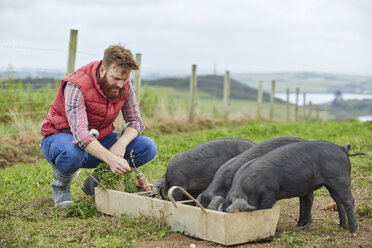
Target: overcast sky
<point>237,35</point>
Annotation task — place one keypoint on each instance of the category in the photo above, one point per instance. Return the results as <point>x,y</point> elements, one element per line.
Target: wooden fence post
<point>324,113</point>
<point>137,77</point>
<point>30,104</point>
<point>272,100</point>
<point>310,110</point>
<point>317,113</point>
<point>72,51</point>
<point>226,93</point>
<point>296,107</point>
<point>192,103</point>
<point>304,106</point>
<point>259,101</point>
<point>287,105</point>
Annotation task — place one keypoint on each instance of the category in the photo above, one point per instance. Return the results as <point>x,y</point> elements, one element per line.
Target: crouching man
<point>91,98</point>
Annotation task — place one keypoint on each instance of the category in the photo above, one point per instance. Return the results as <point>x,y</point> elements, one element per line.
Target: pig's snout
<point>240,205</point>
<point>158,187</point>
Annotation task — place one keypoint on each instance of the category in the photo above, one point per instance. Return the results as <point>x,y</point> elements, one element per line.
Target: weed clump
<point>293,239</point>
<point>126,182</point>
<point>82,210</point>
<point>364,210</point>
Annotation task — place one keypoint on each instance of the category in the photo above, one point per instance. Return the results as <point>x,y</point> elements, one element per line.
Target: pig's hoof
<point>354,234</point>
<point>305,227</point>
<point>343,225</point>
<point>302,223</point>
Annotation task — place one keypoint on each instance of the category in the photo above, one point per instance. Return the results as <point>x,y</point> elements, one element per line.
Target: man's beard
<point>108,89</point>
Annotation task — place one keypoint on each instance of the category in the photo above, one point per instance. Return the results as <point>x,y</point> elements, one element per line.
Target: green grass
<point>28,217</point>
<point>337,132</point>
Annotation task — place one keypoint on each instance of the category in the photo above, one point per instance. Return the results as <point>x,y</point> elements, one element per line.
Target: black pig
<point>194,168</point>
<point>214,195</point>
<point>295,170</point>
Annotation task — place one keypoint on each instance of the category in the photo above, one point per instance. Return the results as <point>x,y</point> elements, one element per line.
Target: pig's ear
<point>199,198</point>
<point>215,203</point>
<point>240,205</point>
<point>250,207</point>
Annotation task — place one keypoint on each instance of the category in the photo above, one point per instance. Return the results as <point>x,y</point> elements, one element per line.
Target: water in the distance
<point>365,118</point>
<point>320,98</point>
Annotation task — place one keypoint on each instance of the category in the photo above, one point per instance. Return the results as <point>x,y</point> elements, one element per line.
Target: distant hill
<point>31,73</point>
<point>309,82</point>
<point>213,85</point>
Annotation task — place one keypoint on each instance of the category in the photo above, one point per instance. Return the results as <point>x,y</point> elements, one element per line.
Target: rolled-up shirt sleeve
<point>76,115</point>
<point>131,112</point>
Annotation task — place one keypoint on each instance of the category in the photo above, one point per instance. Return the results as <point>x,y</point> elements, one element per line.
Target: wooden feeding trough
<point>195,221</point>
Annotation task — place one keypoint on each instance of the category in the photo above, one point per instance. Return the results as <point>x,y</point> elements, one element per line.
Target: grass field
<point>28,218</point>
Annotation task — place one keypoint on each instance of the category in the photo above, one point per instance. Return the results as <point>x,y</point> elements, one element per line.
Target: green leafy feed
<point>126,182</point>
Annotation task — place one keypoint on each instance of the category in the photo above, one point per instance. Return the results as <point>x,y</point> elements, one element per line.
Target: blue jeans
<point>68,158</point>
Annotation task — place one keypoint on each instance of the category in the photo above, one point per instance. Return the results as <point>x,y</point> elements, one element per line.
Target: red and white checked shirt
<point>78,120</point>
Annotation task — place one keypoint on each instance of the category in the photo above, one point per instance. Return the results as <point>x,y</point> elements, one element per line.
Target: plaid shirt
<point>78,120</point>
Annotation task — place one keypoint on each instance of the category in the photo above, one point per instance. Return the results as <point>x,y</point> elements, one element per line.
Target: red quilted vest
<point>101,111</point>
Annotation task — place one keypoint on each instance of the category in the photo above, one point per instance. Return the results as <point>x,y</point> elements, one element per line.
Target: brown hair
<point>118,55</point>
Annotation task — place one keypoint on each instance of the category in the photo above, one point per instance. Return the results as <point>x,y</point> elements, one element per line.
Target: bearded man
<point>91,99</point>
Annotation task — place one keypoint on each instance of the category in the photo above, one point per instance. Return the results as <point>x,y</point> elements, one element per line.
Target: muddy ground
<point>323,232</point>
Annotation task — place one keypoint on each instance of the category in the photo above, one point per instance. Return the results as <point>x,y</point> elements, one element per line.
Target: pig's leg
<point>341,213</point>
<point>347,200</point>
<point>306,203</point>
<point>340,207</point>
<point>302,209</point>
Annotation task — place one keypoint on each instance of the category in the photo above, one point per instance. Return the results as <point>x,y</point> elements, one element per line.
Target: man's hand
<point>114,157</point>
<point>118,165</point>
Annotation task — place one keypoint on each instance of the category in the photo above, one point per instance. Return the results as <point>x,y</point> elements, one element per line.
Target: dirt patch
<point>23,149</point>
<point>170,127</point>
<point>322,232</point>
<point>42,202</point>
<point>174,240</point>
<point>175,127</point>
<point>324,226</point>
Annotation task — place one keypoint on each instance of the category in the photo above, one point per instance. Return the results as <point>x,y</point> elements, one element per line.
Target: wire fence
<point>23,107</point>
<point>24,103</point>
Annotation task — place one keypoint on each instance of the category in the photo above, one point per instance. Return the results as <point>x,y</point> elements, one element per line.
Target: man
<point>89,100</point>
